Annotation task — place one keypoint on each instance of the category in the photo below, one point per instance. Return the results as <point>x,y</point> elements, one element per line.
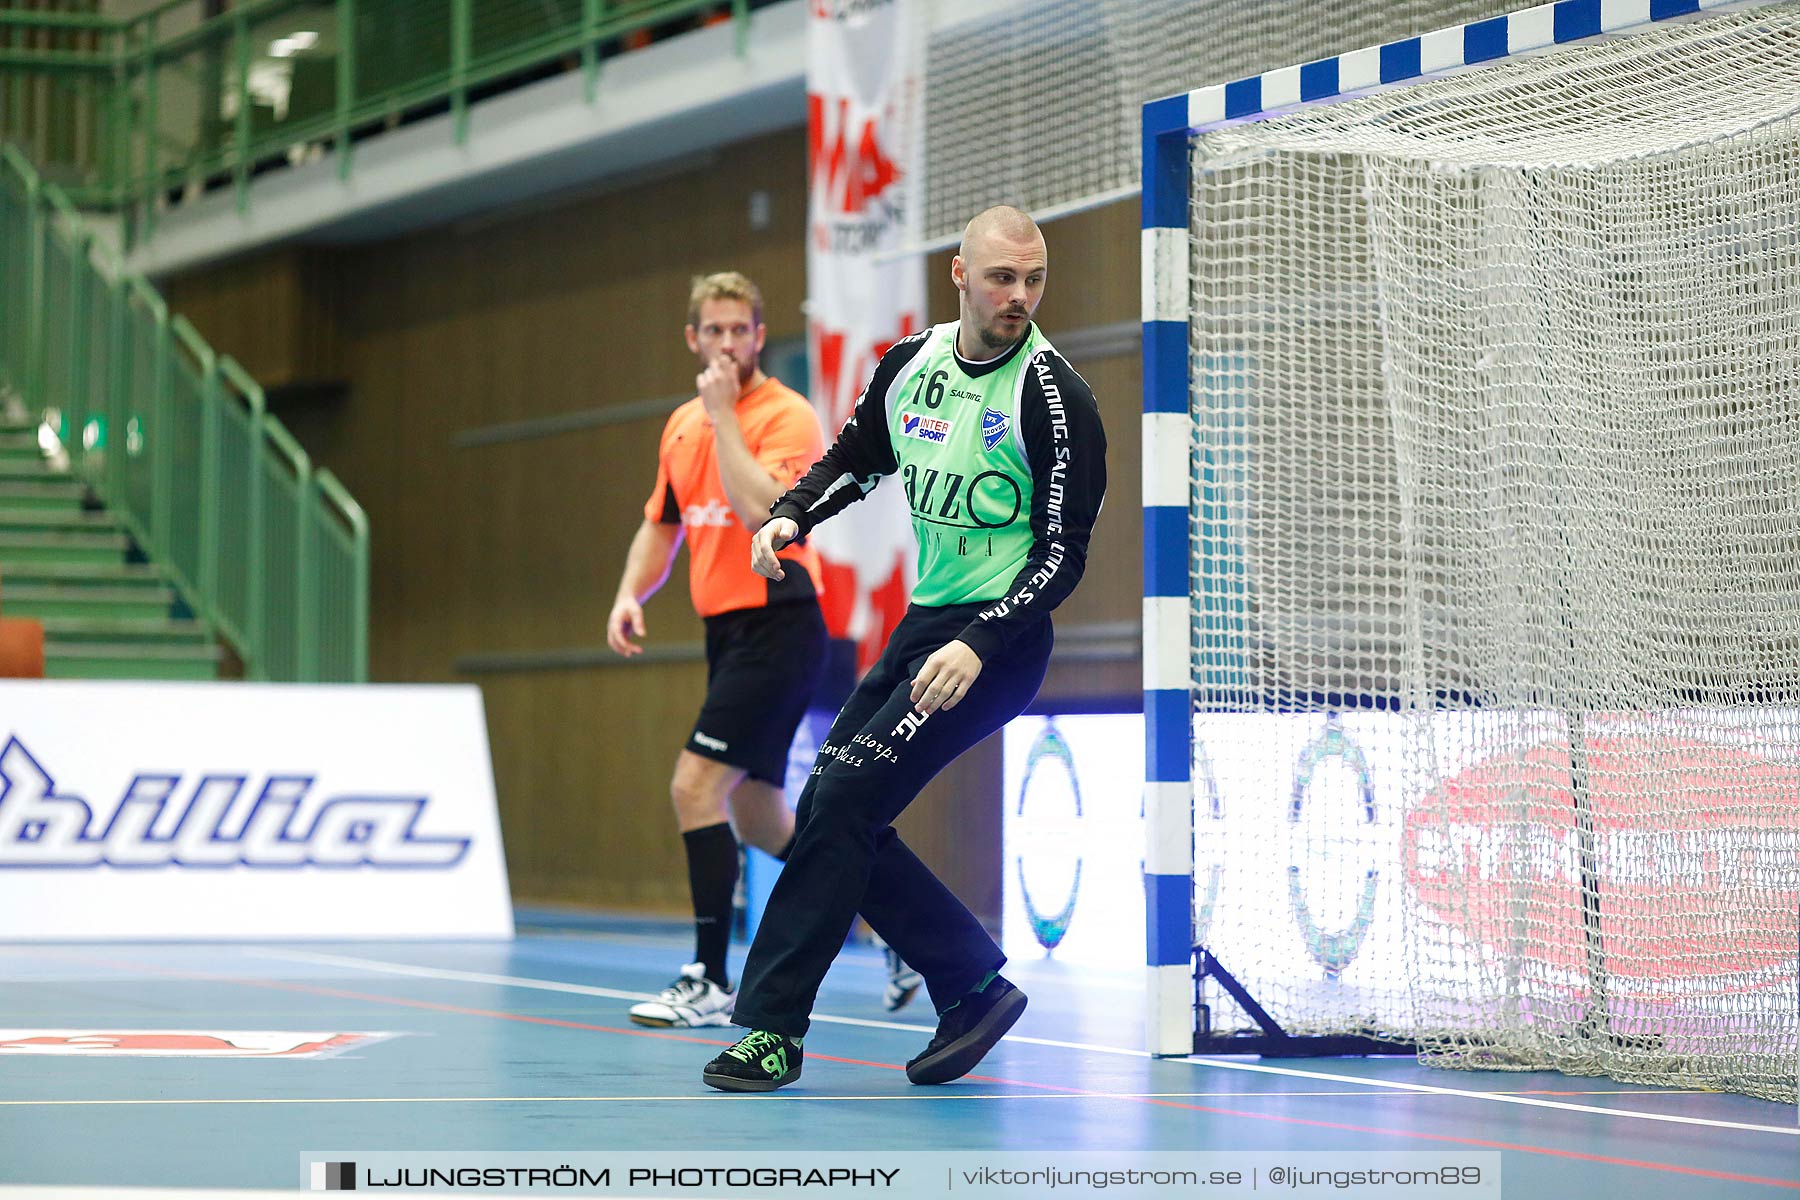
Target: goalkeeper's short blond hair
<point>724,285</point>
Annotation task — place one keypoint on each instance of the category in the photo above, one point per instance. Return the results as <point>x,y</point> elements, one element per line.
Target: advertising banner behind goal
<point>133,811</point>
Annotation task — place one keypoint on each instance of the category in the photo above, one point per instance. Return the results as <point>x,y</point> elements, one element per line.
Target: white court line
<point>387,968</point>
<point>1500,1098</point>
<point>660,941</point>
<point>914,1097</point>
<point>1085,1047</point>
<point>1105,983</point>
<point>543,985</point>
<point>1429,1090</point>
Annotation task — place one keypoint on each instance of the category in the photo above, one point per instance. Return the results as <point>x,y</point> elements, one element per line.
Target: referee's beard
<point>746,371</point>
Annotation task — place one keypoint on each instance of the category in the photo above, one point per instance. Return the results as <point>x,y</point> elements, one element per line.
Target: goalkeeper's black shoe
<point>760,1062</point>
<point>966,1031</point>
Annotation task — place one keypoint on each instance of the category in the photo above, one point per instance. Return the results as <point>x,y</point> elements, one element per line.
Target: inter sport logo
<point>926,429</point>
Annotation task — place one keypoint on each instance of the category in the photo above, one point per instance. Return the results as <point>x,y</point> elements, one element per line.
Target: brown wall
<point>296,336</point>
<point>518,546</point>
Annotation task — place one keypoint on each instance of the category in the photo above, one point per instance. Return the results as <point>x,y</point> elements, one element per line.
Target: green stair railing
<point>124,112</point>
<point>175,439</point>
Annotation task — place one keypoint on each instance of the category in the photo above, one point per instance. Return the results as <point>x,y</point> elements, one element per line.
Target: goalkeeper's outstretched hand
<point>775,533</point>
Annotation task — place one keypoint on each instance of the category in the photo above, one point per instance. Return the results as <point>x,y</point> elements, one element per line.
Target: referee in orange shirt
<point>725,457</point>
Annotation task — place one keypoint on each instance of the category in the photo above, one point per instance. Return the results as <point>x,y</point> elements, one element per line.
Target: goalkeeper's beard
<point>995,335</point>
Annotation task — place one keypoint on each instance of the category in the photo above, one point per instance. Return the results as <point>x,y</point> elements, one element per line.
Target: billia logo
<point>214,820</point>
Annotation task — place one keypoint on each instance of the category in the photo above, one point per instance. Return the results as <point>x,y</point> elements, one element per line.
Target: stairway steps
<point>86,602</point>
<point>62,563</point>
<point>119,574</point>
<point>48,494</point>
<point>73,519</point>
<point>152,631</point>
<point>129,660</point>
<point>71,547</point>
<point>30,472</point>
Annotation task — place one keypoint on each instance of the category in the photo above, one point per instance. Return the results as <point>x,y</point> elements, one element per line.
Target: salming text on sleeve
<point>1066,446</point>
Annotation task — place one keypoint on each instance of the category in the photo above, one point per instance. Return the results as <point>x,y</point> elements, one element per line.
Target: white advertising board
<point>1321,856</point>
<point>241,811</point>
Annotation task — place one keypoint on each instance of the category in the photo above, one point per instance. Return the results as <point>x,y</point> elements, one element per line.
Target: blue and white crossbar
<point>1413,59</point>
<point>1168,127</point>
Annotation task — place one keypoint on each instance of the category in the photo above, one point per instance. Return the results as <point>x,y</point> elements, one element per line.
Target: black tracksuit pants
<point>848,859</point>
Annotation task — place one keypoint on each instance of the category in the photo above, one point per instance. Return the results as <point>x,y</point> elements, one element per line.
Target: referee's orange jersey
<point>784,438</point>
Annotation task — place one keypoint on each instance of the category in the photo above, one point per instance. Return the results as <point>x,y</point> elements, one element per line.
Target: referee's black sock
<point>712,855</point>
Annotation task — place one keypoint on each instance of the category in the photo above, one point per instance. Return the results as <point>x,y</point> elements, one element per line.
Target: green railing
<point>124,113</point>
<point>56,79</point>
<point>268,550</point>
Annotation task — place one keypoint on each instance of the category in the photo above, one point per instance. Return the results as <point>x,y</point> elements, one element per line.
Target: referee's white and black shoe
<point>903,982</point>
<point>692,1000</point>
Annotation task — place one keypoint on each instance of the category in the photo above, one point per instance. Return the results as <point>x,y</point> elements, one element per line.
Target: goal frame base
<point>1270,1040</point>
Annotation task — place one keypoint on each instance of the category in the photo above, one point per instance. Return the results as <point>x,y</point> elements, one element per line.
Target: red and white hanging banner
<point>864,107</point>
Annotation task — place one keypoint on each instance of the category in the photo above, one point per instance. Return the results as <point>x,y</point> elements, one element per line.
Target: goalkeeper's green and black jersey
<point>1004,466</point>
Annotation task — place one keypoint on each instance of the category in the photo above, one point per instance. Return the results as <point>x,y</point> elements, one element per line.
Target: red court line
<point>458,1010</point>
<point>437,1006</point>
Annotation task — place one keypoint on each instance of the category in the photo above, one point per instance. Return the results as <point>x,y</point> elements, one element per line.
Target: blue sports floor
<point>525,1046</point>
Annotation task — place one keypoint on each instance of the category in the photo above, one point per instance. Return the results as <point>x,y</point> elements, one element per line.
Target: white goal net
<point>1496,384</point>
<point>1035,102</point>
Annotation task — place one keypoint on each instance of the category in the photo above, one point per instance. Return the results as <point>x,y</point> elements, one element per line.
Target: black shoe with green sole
<point>760,1062</point>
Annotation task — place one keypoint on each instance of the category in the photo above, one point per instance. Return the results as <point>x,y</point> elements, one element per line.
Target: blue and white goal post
<point>1192,643</point>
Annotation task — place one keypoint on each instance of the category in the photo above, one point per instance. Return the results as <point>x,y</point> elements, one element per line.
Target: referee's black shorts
<point>762,667</point>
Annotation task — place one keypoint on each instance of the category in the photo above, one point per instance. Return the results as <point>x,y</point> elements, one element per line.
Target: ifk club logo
<point>993,428</point>
<point>334,1177</point>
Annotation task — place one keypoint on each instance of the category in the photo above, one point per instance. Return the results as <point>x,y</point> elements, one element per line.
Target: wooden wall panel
<point>278,313</point>
<point>576,832</point>
<point>517,547</point>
